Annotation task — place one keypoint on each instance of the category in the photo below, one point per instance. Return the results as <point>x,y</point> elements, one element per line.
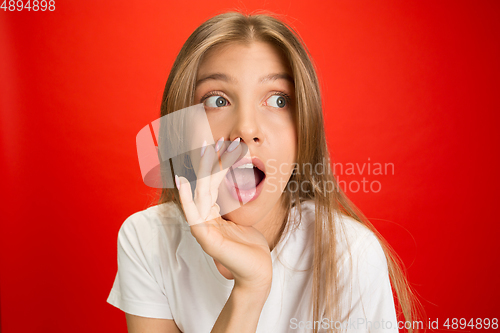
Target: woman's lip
<point>245,160</point>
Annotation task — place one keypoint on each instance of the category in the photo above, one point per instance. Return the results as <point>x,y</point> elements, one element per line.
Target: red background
<point>413,83</point>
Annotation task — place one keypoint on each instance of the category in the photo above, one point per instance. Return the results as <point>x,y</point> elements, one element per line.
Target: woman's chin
<point>241,216</point>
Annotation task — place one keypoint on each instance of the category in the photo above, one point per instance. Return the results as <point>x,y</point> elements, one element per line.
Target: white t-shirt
<point>164,273</point>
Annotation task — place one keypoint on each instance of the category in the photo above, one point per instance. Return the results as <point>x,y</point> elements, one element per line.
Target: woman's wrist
<point>242,310</point>
<point>257,291</point>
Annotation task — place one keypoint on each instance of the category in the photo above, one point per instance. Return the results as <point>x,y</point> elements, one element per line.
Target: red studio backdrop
<point>411,85</point>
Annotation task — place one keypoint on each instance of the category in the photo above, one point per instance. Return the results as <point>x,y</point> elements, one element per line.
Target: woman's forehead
<point>229,61</point>
<point>234,80</point>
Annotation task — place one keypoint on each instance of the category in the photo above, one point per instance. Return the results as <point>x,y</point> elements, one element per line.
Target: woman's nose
<point>247,125</point>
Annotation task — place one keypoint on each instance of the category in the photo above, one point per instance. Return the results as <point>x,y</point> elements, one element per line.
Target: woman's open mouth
<point>245,179</point>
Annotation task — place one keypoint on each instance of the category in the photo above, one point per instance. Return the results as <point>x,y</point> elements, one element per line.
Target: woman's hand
<point>242,250</point>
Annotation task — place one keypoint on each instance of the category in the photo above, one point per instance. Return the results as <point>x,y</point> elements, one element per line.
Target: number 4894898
<point>477,323</point>
<point>35,5</point>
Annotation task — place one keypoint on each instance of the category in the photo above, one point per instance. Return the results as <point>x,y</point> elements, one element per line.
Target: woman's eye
<point>216,101</point>
<point>276,101</point>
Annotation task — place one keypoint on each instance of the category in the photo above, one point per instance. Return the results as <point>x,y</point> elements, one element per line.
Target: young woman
<point>296,255</point>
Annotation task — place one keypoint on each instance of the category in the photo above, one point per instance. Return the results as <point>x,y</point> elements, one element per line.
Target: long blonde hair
<point>312,148</point>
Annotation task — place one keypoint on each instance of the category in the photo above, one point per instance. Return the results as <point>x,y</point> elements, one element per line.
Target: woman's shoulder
<point>352,236</point>
<point>352,230</point>
<point>359,243</point>
<point>143,226</point>
<point>157,214</point>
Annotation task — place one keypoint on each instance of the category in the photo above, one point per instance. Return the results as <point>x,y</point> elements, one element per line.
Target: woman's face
<point>248,92</point>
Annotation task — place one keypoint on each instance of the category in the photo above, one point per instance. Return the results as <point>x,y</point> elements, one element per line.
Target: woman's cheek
<point>277,181</point>
<point>273,187</point>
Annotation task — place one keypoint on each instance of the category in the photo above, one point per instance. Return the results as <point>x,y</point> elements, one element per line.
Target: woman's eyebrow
<point>276,76</point>
<point>216,76</point>
<point>230,79</point>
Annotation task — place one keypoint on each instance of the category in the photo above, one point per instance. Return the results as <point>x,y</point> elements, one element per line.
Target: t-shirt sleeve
<point>368,300</point>
<point>135,289</point>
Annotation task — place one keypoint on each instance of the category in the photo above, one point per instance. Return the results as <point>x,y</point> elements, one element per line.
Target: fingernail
<point>204,147</point>
<point>233,145</point>
<point>177,183</point>
<point>219,144</point>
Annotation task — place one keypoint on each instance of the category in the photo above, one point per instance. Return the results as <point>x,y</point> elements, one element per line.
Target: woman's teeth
<point>246,166</point>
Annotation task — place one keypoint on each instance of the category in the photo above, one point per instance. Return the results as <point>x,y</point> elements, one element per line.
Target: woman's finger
<point>214,212</point>
<point>202,195</point>
<point>188,205</point>
<point>227,159</point>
